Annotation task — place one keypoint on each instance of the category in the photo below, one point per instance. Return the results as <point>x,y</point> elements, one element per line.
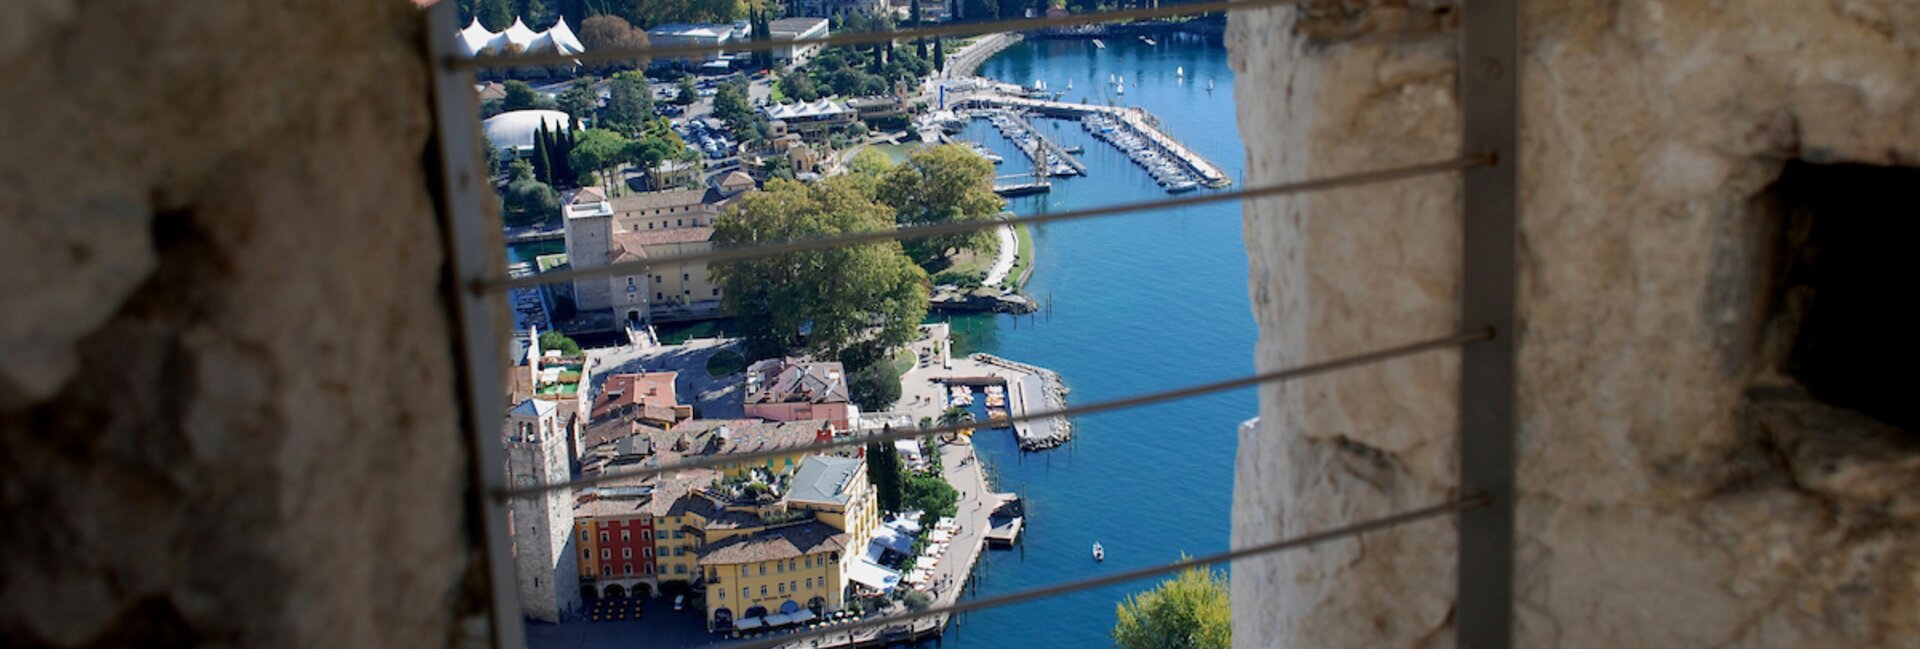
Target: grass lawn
<point>1022,260</point>
<point>675,334</point>
<point>549,262</point>
<point>903,360</point>
<point>724,363</point>
<point>966,263</point>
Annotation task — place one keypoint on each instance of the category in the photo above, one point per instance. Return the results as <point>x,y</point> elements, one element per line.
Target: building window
<point>809,583</point>
<point>629,568</point>
<point>763,591</point>
<point>779,566</point>
<point>649,225</point>
<point>679,222</point>
<point>783,588</point>
<point>659,296</point>
<point>686,277</point>
<point>605,554</point>
<point>744,594</point>
<point>585,537</point>
<point>743,571</point>
<point>625,536</point>
<point>793,564</point>
<point>606,571</point>
<point>809,562</point>
<point>763,570</point>
<point>680,570</point>
<point>723,594</point>
<point>793,586</point>
<point>716,292</point>
<point>646,552</point>
<point>648,568</point>
<point>646,535</point>
<point>603,537</point>
<point>586,555</point>
<point>626,553</point>
<point>679,534</point>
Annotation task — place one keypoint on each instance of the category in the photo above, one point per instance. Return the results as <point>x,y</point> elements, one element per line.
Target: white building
<point>787,30</point>
<point>513,130</point>
<point>697,35</point>
<point>476,39</point>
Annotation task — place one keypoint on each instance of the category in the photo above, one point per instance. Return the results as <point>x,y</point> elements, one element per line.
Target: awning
<point>778,619</point>
<point>803,615</point>
<point>872,576</point>
<point>747,624</point>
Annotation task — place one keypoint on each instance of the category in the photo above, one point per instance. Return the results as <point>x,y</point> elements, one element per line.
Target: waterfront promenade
<point>923,389</point>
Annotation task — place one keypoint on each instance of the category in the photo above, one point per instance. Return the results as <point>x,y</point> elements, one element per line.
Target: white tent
<point>873,576</point>
<point>477,39</point>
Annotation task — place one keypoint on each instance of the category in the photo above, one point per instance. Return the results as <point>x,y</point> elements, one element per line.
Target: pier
<point>990,95</point>
<point>1046,148</point>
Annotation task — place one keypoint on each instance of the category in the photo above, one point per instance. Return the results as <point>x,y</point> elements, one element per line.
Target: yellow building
<point>792,570</point>
<point>836,490</point>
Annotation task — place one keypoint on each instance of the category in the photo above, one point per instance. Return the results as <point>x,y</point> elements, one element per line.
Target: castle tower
<point>589,232</point>
<point>547,569</point>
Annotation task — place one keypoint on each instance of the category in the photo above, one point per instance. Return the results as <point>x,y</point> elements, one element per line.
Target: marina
<point>1142,130</point>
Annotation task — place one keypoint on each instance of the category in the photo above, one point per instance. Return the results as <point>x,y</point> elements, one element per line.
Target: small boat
<point>1120,89</point>
<point>1209,85</point>
<point>1069,84</point>
<point>1097,43</point>
<point>1179,71</point>
<point>1099,553</point>
<point>1148,41</point>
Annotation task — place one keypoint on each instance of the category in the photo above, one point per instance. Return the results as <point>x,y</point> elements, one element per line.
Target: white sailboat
<point>1099,553</point>
<point>1069,84</point>
<point>1120,88</point>
<point>1180,72</point>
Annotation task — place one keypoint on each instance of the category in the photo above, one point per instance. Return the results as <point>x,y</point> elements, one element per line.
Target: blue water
<point>1139,303</point>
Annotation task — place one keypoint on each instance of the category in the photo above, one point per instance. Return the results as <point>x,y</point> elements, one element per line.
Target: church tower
<point>536,444</point>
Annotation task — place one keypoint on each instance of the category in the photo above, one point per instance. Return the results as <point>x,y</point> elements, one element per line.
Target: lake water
<point>1140,303</point>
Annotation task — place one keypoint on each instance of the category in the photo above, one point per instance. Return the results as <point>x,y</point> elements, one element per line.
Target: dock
<point>1135,119</point>
<point>1050,148</point>
<point>1005,534</point>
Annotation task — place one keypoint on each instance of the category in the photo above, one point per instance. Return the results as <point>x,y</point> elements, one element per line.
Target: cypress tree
<point>542,171</point>
<point>913,21</point>
<point>939,55</point>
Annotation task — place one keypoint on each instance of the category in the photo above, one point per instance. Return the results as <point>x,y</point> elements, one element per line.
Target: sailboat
<point>1120,88</point>
<point>1099,553</point>
<point>1069,84</point>
<point>1209,85</point>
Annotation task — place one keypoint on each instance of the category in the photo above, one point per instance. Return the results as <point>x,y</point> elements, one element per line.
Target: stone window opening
<point>1832,399</point>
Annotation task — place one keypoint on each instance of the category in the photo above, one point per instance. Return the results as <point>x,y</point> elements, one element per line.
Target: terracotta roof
<point>671,494</point>
<point>779,543</point>
<point>626,247</point>
<point>669,235</point>
<point>646,389</point>
<point>659,200</point>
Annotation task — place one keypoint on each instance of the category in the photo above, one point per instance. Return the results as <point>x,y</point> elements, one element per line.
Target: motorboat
<point>1098,44</point>
<point>1099,553</point>
<point>1148,41</point>
<point>1180,71</point>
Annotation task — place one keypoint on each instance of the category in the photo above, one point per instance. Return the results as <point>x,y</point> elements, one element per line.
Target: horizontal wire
<point>485,61</point>
<point>1403,518</point>
<point>787,247</point>
<point>1299,371</point>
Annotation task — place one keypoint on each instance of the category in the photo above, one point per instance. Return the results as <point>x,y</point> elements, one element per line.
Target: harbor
<point>1134,130</point>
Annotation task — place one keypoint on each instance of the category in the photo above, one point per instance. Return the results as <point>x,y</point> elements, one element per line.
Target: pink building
<point>785,389</point>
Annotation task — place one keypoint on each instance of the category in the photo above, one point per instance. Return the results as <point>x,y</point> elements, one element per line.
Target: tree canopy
<point>521,96</point>
<point>526,201</point>
<point>605,32</point>
<point>1189,611</point>
<point>883,472</point>
<point>929,493</point>
<point>551,339</point>
<point>947,184</point>
<point>867,298</point>
<point>629,103</point>
<point>581,98</point>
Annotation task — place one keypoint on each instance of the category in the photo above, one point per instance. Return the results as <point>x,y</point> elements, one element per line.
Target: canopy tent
<point>779,619</point>
<point>748,624</point>
<point>940,536</point>
<point>802,615</point>
<point>559,39</point>
<point>872,576</point>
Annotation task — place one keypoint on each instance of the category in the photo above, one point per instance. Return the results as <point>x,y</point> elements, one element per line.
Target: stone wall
<point>227,406</point>
<point>1663,503</point>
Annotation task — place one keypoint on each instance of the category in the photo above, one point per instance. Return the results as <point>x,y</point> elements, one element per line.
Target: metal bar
<point>1443,342</point>
<point>1489,104</point>
<point>1466,504</point>
<point>462,186</point>
<point>862,38</point>
<point>765,250</point>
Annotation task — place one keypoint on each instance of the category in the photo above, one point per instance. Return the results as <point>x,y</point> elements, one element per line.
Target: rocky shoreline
<point>1055,393</point>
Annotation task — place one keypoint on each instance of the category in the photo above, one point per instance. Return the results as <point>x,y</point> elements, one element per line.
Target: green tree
<point>918,601</point>
<point>629,103</point>
<point>494,14</point>
<point>870,162</point>
<point>947,184</point>
<point>1189,611</point>
<point>883,472</point>
<point>799,86</point>
<point>580,98</point>
<point>730,104</point>
<point>913,21</point>
<point>685,92</point>
<point>929,493</point>
<point>939,54</point>
<point>527,201</point>
<point>870,296</point>
<point>521,96</point>
<point>874,387</point>
<point>599,150</point>
<point>551,339</point>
